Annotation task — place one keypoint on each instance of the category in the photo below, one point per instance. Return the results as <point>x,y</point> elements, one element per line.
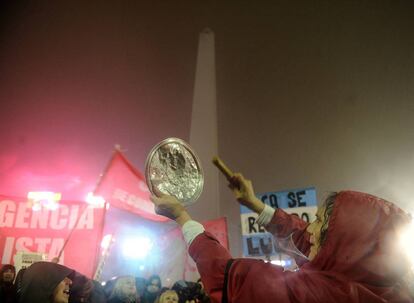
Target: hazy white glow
<point>407,243</point>
<point>136,247</point>
<point>106,241</point>
<point>143,186</point>
<point>47,199</point>
<point>36,206</point>
<point>44,195</point>
<point>141,267</point>
<point>49,204</point>
<point>278,262</point>
<point>97,201</point>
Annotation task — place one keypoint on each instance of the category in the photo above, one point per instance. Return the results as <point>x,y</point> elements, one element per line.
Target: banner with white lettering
<point>259,243</point>
<point>45,230</point>
<point>124,187</point>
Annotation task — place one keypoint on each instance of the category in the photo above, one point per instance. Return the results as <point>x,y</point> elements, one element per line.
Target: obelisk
<point>203,132</point>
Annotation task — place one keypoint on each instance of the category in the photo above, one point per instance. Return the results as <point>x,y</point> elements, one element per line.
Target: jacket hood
<point>362,240</point>
<point>40,280</point>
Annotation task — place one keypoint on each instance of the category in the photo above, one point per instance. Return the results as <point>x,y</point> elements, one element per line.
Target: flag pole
<point>117,148</point>
<point>56,260</point>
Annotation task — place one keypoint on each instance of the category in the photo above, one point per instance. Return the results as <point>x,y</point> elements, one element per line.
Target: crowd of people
<point>350,253</point>
<point>48,282</point>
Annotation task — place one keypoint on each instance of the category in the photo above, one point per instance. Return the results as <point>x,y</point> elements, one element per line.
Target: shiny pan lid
<point>173,168</point>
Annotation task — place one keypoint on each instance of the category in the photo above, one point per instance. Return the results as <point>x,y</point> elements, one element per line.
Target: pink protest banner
<point>124,187</point>
<point>45,231</point>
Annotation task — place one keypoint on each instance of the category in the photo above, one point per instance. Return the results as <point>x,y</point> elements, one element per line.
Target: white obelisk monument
<point>203,132</point>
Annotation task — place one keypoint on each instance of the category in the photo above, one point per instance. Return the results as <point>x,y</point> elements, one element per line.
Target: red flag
<point>123,186</point>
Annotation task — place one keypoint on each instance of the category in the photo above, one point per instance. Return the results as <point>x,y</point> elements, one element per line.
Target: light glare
<point>106,241</point>
<point>137,247</point>
<point>278,262</point>
<point>406,242</point>
<point>97,201</point>
<point>48,200</point>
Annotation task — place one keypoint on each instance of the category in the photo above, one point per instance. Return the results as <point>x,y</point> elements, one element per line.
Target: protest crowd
<point>55,283</point>
<point>342,256</point>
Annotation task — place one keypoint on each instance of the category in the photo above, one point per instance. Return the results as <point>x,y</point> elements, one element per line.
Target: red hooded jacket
<point>359,261</point>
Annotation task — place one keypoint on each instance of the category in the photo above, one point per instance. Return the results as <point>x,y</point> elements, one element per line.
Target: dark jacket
<point>40,280</point>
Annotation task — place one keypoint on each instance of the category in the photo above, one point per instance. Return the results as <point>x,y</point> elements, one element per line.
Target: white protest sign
<point>259,243</point>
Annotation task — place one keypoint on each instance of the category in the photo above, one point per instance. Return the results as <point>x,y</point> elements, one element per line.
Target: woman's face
<point>169,296</point>
<point>154,286</point>
<point>127,286</point>
<point>8,275</point>
<point>315,231</point>
<point>61,292</point>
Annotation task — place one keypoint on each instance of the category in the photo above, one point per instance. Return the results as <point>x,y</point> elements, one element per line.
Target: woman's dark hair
<point>187,291</point>
<point>7,267</point>
<point>328,204</point>
<point>81,288</point>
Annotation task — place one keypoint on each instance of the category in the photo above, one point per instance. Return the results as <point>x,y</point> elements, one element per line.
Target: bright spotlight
<point>36,207</point>
<point>406,241</point>
<point>48,200</point>
<point>136,247</point>
<point>96,201</point>
<point>106,241</point>
<point>278,262</point>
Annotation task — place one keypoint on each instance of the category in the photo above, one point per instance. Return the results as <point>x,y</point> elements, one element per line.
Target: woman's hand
<point>244,193</point>
<point>168,206</point>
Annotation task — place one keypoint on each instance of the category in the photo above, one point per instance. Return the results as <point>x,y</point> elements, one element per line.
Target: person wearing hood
<point>46,282</point>
<point>351,249</point>
<point>7,287</point>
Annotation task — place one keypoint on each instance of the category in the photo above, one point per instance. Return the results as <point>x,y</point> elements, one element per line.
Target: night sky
<point>79,77</point>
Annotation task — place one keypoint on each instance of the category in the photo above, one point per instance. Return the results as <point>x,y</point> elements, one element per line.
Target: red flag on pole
<point>124,187</point>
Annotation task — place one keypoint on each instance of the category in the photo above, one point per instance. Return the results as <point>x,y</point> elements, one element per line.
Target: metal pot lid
<point>173,168</point>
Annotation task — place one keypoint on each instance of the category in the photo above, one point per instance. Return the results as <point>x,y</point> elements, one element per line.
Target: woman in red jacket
<point>351,246</point>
